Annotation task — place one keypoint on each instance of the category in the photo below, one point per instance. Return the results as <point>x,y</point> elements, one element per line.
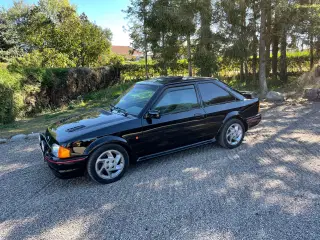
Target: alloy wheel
<point>234,134</point>
<point>109,164</point>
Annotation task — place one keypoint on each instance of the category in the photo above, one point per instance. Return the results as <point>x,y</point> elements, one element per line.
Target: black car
<point>153,118</point>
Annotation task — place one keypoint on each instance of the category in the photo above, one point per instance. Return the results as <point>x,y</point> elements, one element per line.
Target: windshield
<point>136,98</point>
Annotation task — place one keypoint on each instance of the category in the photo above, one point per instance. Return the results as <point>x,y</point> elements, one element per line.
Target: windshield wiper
<point>112,107</point>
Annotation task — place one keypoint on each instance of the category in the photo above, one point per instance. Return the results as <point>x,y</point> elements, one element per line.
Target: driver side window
<point>179,99</point>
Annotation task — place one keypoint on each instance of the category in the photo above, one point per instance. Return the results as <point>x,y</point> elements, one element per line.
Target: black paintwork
<point>145,137</point>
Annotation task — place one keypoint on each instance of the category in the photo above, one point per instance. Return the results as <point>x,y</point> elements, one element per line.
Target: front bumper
<point>65,165</point>
<point>62,166</point>
<point>253,121</point>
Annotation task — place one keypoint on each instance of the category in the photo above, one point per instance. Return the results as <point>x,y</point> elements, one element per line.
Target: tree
<point>55,24</point>
<point>262,50</point>
<point>275,42</point>
<point>10,41</point>
<point>255,41</point>
<point>46,58</point>
<point>163,34</point>
<point>94,42</point>
<point>205,58</point>
<point>187,26</point>
<point>138,13</point>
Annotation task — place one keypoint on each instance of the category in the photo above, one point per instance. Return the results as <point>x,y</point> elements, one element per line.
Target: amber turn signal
<point>64,152</point>
<point>60,152</point>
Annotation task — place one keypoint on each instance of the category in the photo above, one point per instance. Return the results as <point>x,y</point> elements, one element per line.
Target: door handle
<point>198,115</point>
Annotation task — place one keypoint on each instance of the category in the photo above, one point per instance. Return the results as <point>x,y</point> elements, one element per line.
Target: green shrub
<point>47,58</point>
<point>7,113</point>
<point>10,96</point>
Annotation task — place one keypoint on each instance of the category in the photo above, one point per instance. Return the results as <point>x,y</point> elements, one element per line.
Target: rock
<point>312,94</point>
<point>275,96</point>
<point>18,137</point>
<point>317,71</point>
<point>33,135</point>
<point>3,140</point>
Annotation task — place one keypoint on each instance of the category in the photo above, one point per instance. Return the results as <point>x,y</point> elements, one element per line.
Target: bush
<point>136,70</point>
<point>31,90</point>
<point>7,113</point>
<point>10,95</point>
<point>47,58</point>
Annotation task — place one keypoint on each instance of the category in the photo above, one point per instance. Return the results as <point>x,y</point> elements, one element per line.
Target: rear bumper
<point>253,121</point>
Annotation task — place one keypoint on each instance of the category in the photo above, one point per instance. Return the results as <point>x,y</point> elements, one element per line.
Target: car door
<point>217,103</point>
<point>181,120</point>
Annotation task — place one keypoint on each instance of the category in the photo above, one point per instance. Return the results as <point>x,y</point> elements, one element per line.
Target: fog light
<point>60,152</point>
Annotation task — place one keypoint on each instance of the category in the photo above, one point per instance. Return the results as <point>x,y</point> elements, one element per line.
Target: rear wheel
<point>108,163</point>
<point>232,134</point>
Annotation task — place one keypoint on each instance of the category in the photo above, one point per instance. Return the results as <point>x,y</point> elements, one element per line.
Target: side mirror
<point>153,114</point>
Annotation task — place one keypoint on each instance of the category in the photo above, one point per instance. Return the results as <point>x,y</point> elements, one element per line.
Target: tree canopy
<point>51,26</point>
<point>249,33</point>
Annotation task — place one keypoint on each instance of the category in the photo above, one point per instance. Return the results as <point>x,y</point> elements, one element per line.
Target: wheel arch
<point>110,140</point>
<point>234,115</point>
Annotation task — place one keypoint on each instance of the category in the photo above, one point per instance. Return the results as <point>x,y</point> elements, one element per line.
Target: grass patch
<point>91,101</point>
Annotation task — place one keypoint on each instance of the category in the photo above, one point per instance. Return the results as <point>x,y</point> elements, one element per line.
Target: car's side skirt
<point>175,150</point>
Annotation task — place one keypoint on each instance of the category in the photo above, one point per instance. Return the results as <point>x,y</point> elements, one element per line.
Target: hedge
<point>30,91</point>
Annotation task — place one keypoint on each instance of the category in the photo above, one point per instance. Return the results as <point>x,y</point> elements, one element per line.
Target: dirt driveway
<point>269,188</point>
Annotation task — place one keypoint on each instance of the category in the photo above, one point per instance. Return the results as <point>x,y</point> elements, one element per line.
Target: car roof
<point>174,79</point>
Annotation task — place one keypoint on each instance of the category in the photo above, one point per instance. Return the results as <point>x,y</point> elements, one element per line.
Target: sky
<point>105,13</point>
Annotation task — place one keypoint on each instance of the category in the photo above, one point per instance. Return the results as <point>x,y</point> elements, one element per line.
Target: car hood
<point>86,125</point>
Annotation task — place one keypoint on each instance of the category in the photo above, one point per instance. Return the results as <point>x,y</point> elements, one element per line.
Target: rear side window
<point>180,99</point>
<point>212,94</point>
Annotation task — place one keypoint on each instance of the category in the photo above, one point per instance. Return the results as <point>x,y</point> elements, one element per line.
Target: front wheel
<point>108,163</point>
<point>232,134</point>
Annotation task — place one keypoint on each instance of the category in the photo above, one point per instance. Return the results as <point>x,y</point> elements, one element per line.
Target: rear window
<point>212,94</point>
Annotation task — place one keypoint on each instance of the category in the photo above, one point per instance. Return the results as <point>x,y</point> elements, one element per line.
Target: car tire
<point>229,129</point>
<point>108,163</point>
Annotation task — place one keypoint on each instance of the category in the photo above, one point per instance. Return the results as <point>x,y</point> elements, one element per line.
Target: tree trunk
<point>262,52</point>
<point>164,65</point>
<point>318,48</point>
<point>283,57</point>
<point>311,39</point>
<point>146,63</point>
<point>241,71</point>
<point>275,50</point>
<point>311,51</point>
<point>146,57</point>
<point>254,67</point>
<point>246,72</point>
<point>145,44</point>
<point>255,47</point>
<point>268,36</point>
<point>275,45</point>
<point>189,55</point>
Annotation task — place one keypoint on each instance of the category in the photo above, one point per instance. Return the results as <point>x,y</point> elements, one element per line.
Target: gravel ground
<point>268,188</point>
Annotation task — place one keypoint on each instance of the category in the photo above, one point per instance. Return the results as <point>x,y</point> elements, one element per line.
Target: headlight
<point>60,152</point>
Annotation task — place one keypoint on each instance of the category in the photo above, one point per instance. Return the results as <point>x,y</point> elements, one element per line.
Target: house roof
<point>125,51</point>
